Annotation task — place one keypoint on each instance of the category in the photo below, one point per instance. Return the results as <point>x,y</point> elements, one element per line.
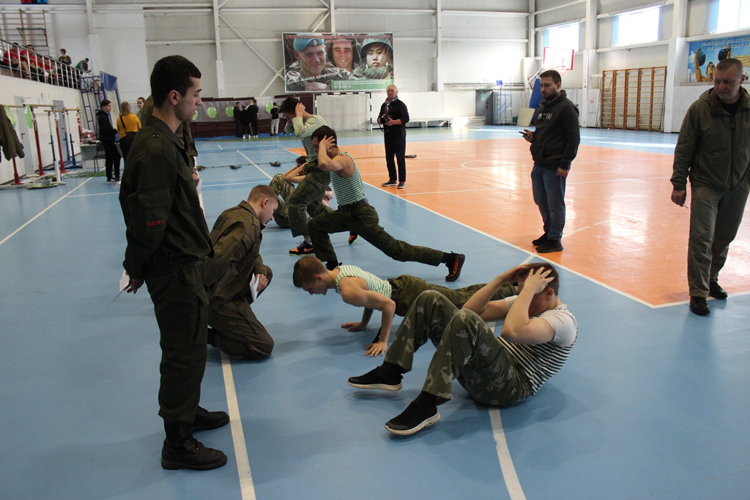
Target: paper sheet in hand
<point>124,281</point>
<point>254,286</point>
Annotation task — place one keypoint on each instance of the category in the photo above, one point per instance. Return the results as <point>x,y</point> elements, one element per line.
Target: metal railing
<point>22,62</point>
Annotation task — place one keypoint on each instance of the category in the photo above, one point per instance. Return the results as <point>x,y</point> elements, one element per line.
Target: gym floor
<point>652,402</point>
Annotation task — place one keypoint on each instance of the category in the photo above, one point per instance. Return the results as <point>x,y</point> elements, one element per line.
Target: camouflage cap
<point>303,42</point>
<point>370,41</point>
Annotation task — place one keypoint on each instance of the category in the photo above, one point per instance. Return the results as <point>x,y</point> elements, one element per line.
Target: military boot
<point>182,451</point>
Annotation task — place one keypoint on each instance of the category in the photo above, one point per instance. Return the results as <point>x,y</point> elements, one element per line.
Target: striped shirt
<point>540,361</point>
<point>304,130</point>
<point>374,284</point>
<point>349,190</point>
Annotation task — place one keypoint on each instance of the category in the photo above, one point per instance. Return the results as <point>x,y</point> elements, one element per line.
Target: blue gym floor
<point>652,403</point>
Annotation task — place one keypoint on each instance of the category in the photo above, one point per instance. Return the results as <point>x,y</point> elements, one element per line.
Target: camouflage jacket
<point>295,82</point>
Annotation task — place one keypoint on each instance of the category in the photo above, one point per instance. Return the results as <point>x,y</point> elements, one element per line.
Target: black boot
<point>206,420</point>
<point>182,451</point>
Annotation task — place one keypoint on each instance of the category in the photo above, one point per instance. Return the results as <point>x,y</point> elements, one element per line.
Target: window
<point>564,37</point>
<point>638,26</point>
<point>733,15</point>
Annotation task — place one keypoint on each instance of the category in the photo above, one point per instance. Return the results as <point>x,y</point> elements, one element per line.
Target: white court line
<point>94,194</point>
<point>42,212</point>
<point>254,164</point>
<point>247,488</point>
<point>219,146</point>
<point>534,254</point>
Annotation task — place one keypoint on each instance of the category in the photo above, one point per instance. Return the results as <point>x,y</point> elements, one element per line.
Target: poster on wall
<point>321,62</point>
<point>704,55</point>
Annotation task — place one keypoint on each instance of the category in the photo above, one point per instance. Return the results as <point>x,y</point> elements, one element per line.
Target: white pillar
<point>220,82</point>
<point>676,57</point>
<point>439,80</point>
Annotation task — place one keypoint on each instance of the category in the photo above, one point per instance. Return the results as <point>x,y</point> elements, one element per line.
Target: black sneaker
<point>190,454</point>
<point>303,248</point>
<point>715,291</point>
<point>374,380</point>
<point>549,246</point>
<point>413,419</point>
<point>455,266</point>
<point>699,306</point>
<point>206,420</point>
<point>539,241</point>
<point>390,183</point>
<point>402,185</point>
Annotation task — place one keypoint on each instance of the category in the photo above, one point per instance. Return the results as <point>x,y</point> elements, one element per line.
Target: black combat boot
<point>182,451</point>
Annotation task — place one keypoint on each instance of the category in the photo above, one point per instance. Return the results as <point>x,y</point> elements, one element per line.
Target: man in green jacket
<point>168,240</point>
<point>236,274</point>
<point>712,150</point>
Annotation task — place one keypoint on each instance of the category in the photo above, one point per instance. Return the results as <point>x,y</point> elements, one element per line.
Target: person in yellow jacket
<point>128,125</point>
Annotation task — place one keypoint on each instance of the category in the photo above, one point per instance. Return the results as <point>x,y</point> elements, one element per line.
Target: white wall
<point>36,93</point>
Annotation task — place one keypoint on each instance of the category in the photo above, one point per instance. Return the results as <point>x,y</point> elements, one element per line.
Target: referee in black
<point>394,116</point>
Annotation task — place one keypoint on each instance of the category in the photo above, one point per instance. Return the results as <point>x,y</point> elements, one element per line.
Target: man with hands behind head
<point>537,335</point>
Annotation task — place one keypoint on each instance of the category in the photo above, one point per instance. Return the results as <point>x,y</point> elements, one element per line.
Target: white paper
<point>124,282</point>
<point>254,286</point>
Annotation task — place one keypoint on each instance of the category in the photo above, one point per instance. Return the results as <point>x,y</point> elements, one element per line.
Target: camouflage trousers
<point>466,349</point>
<point>306,199</point>
<point>364,221</point>
<point>284,189</point>
<point>406,289</point>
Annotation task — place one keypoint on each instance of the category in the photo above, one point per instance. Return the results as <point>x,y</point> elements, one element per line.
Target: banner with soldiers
<point>324,62</point>
<point>706,54</point>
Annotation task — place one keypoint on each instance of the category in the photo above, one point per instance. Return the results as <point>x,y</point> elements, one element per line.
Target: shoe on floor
<point>539,241</point>
<point>374,380</point>
<point>699,306</point>
<point>715,291</point>
<point>389,184</point>
<point>455,266</point>
<point>190,454</point>
<point>353,237</point>
<point>206,420</point>
<point>549,246</point>
<point>303,248</point>
<point>401,185</point>
<point>413,419</point>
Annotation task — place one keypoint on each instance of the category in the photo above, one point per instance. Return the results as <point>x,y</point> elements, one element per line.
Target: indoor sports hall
<point>650,404</point>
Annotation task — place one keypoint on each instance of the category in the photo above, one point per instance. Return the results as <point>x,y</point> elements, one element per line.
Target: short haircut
<point>305,270</point>
<point>288,105</point>
<point>171,73</point>
<point>731,62</point>
<point>63,51</point>
<point>301,160</point>
<point>141,99</point>
<point>551,73</point>
<point>554,284</point>
<point>104,103</point>
<point>261,191</point>
<point>322,132</point>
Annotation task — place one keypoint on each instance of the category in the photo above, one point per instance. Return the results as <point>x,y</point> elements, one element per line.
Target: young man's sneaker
<point>353,237</point>
<point>715,291</point>
<point>303,248</point>
<point>454,266</point>
<point>190,454</point>
<point>699,306</point>
<point>389,184</point>
<point>539,241</point>
<point>401,185</point>
<point>413,419</point>
<point>206,420</point>
<point>549,246</point>
<point>374,379</point>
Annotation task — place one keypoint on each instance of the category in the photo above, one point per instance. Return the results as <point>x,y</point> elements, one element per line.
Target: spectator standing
<point>274,120</point>
<point>128,125</point>
<point>237,119</point>
<point>107,138</point>
<point>252,109</point>
<point>394,115</point>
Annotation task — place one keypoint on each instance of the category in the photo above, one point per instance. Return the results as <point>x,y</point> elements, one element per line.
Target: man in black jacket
<point>237,119</point>
<point>554,145</point>
<point>394,116</point>
<point>252,110</point>
<point>107,137</point>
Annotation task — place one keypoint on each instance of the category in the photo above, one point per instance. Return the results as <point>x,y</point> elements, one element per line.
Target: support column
<point>590,67</point>
<point>220,82</point>
<point>678,54</point>
<point>531,51</point>
<point>439,79</point>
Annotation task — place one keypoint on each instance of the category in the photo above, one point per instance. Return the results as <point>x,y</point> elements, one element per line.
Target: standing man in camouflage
<point>236,239</point>
<point>167,242</point>
<point>357,215</point>
<point>308,196</point>
<point>537,336</point>
<point>554,146</point>
<point>311,71</point>
<point>359,288</point>
<point>713,150</point>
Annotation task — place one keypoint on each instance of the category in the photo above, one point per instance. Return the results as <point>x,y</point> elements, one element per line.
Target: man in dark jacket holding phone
<point>554,145</point>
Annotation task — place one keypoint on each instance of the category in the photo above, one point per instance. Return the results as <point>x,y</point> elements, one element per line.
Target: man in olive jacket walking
<point>713,151</point>
<point>554,145</point>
